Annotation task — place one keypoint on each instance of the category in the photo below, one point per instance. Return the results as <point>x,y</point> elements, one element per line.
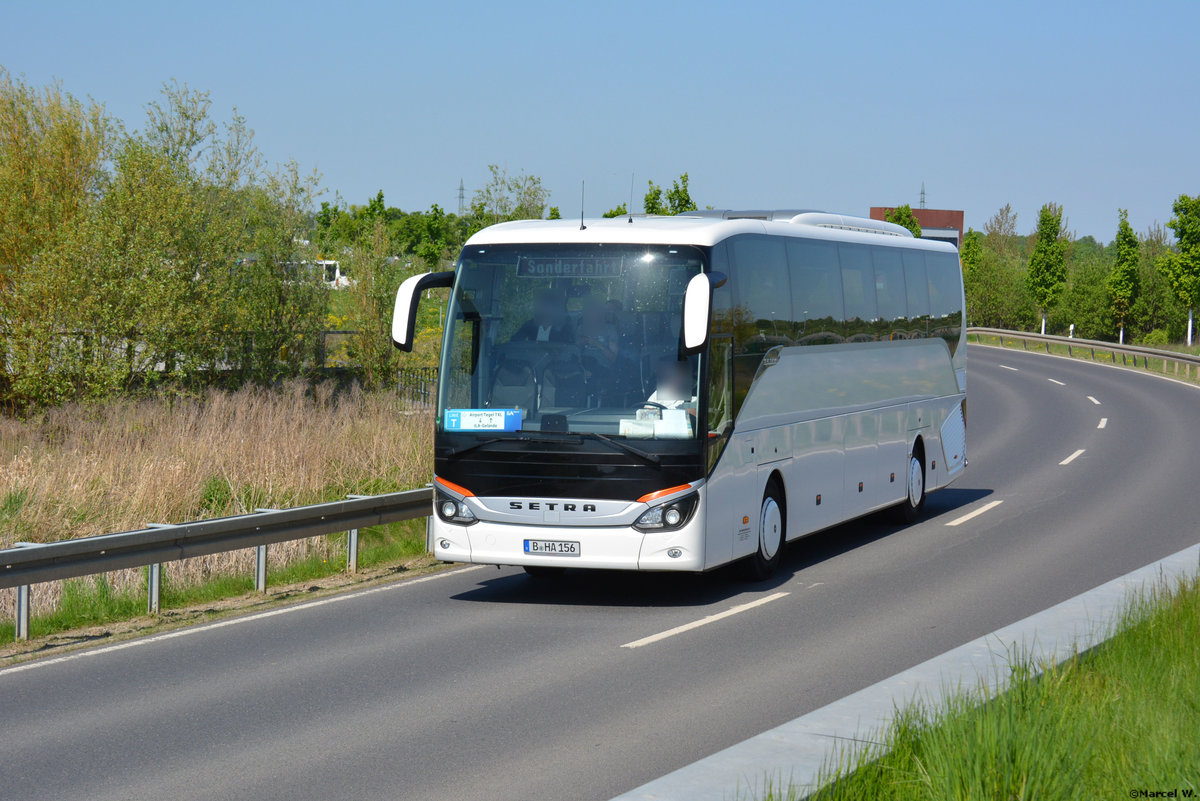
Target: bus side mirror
<point>404,318</point>
<point>697,309</point>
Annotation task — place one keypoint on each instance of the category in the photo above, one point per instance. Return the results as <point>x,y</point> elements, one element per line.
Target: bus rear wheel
<point>913,505</point>
<point>772,528</point>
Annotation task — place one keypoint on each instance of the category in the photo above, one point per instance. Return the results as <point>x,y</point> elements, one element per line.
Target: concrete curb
<point>796,752</point>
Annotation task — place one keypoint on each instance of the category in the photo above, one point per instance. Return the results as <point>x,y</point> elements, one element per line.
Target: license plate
<point>552,547</point>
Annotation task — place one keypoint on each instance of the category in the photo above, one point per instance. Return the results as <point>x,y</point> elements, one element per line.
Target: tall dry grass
<point>96,468</point>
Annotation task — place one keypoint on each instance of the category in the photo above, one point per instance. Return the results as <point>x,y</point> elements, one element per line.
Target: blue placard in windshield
<point>533,267</point>
<point>482,420</point>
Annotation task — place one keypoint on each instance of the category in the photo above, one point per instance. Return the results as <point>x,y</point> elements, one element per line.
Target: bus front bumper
<point>609,547</point>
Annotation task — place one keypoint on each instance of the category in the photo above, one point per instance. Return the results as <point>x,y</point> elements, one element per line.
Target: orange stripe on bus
<point>450,485</point>
<point>653,496</point>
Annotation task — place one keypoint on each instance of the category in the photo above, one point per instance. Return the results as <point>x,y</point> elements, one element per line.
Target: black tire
<point>545,571</point>
<point>772,535</point>
<point>913,506</point>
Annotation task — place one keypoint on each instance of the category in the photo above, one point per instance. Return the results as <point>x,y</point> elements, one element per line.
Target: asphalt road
<point>486,684</point>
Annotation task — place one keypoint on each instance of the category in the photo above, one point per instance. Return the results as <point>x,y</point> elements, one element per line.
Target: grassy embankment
<point>1098,354</point>
<point>1124,717</point>
<point>89,469</point>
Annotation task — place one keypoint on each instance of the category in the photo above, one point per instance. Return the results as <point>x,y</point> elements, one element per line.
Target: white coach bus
<point>677,393</point>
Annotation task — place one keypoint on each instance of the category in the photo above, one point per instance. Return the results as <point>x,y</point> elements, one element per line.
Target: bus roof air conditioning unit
<point>845,223</point>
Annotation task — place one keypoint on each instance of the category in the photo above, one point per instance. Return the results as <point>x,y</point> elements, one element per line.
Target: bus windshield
<point>570,338</point>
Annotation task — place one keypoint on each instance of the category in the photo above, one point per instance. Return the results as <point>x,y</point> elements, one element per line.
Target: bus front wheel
<point>772,527</point>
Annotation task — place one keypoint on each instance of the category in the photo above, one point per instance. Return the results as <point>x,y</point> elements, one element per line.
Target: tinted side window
<point>764,287</point>
<point>858,292</point>
<point>762,297</point>
<point>722,313</point>
<point>917,287</point>
<point>816,292</point>
<point>890,295</point>
<point>945,297</point>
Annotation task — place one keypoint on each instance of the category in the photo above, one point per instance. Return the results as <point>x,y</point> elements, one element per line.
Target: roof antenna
<point>629,208</point>
<point>582,186</point>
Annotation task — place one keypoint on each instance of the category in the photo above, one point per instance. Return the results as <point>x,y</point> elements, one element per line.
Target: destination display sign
<point>569,268</point>
<point>483,420</point>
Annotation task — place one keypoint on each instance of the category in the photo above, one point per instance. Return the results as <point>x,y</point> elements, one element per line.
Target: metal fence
<point>417,386</point>
<point>1180,364</point>
<point>33,563</point>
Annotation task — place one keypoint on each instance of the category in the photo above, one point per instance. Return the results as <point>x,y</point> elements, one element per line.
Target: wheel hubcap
<point>770,529</point>
<point>916,482</point>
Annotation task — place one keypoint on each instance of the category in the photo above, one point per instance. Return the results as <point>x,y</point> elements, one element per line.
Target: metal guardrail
<point>33,563</point>
<point>1126,352</point>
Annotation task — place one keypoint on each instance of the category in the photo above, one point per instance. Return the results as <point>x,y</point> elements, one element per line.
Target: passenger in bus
<point>673,383</point>
<point>549,323</point>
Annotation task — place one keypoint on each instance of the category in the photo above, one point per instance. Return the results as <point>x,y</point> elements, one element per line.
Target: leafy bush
<point>1156,338</point>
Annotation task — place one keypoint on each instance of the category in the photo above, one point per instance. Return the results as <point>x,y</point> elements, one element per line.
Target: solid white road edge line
<point>695,624</point>
<point>1055,381</point>
<point>234,621</point>
<point>1073,456</point>
<point>1093,400</point>
<point>1103,422</point>
<point>958,521</point>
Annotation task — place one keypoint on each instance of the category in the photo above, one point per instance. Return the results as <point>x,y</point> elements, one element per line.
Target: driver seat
<point>514,387</point>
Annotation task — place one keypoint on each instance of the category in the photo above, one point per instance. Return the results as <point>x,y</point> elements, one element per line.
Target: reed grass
<point>96,468</point>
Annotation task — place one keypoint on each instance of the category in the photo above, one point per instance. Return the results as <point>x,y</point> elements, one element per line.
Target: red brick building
<point>944,225</point>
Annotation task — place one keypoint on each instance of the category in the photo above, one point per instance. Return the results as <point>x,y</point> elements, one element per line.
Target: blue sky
<point>839,106</point>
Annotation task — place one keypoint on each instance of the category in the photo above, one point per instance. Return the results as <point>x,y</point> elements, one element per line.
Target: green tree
<point>1182,265</point>
<point>972,251</point>
<point>1000,231</point>
<point>509,197</point>
<point>180,261</point>
<point>676,200</point>
<point>1047,268</point>
<point>619,211</point>
<point>903,215</point>
<point>52,154</point>
<point>554,214</point>
<point>1124,278</point>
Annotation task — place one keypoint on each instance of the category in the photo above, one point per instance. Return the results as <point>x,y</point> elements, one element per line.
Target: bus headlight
<point>668,516</point>
<point>451,510</point>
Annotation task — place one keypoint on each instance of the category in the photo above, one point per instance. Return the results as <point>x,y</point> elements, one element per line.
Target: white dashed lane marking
<point>1103,422</point>
<point>958,521</point>
<point>1055,381</point>
<point>1093,400</point>
<point>1073,456</point>
<point>695,624</point>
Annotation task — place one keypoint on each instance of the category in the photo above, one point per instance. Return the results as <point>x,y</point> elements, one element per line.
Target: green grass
<point>94,603</point>
<point>1123,717</point>
<point>1098,354</point>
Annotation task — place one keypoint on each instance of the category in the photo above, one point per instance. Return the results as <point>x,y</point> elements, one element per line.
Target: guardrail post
<point>260,568</point>
<point>352,542</point>
<point>153,587</point>
<point>22,620</point>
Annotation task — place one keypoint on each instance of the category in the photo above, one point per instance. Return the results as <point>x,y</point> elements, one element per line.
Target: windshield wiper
<point>524,437</point>
<point>468,448</point>
<point>652,458</point>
